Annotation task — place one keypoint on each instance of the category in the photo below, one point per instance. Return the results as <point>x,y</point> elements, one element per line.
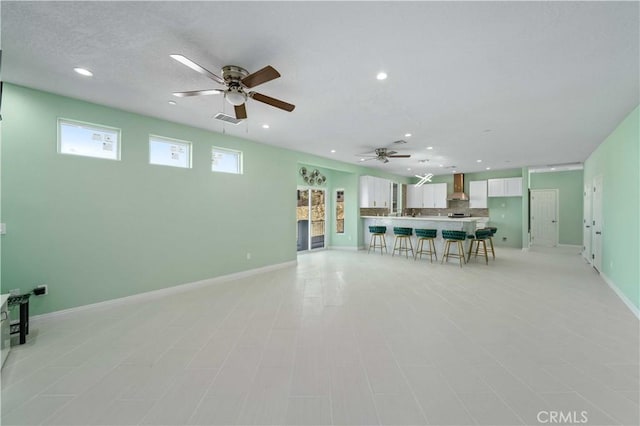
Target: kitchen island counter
<point>439,223</point>
<point>430,218</point>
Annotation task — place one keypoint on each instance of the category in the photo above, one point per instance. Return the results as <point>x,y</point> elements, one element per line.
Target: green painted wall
<point>95,230</point>
<point>617,160</point>
<point>570,188</point>
<point>505,213</point>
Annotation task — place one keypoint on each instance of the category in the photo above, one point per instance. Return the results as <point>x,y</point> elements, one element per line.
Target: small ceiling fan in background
<point>383,154</point>
<point>236,80</point>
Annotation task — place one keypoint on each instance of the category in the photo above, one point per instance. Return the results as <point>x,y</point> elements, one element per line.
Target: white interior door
<point>586,223</point>
<point>544,217</point>
<point>596,223</point>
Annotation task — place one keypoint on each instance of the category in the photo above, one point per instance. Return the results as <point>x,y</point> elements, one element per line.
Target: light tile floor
<point>344,338</point>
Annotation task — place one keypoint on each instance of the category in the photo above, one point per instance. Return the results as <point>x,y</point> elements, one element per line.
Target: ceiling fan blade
<point>188,62</point>
<point>197,93</point>
<point>399,156</point>
<point>272,101</point>
<point>267,73</point>
<point>241,112</point>
<point>390,153</point>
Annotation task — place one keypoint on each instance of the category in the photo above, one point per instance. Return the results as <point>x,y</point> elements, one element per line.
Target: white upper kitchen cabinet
<point>434,196</point>
<point>509,187</point>
<point>478,194</point>
<point>414,197</point>
<point>439,195</point>
<point>375,192</point>
<point>383,193</point>
<point>513,187</point>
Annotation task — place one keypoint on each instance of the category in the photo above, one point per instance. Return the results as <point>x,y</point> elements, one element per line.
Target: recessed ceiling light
<point>381,75</point>
<point>455,171</point>
<point>83,71</point>
<point>478,161</point>
<point>408,168</point>
<point>553,168</point>
<point>429,147</point>
<point>488,168</point>
<point>172,103</point>
<point>333,150</point>
<point>265,126</point>
<point>362,159</point>
<point>441,165</point>
<point>407,135</point>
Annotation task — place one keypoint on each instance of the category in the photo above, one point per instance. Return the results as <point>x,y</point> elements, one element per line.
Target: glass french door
<point>311,217</point>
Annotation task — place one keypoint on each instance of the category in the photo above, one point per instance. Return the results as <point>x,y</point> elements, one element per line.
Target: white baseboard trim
<point>525,248</point>
<point>621,295</point>
<point>579,247</point>
<point>155,294</point>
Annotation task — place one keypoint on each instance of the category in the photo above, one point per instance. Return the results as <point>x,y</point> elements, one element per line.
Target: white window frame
<point>172,141</point>
<point>239,154</point>
<point>89,126</point>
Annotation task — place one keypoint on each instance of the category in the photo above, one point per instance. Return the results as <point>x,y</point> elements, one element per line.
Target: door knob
<point>598,233</point>
<point>553,221</point>
<point>588,226</point>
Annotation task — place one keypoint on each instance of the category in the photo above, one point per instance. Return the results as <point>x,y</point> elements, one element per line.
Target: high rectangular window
<point>226,160</point>
<point>169,152</point>
<point>88,140</point>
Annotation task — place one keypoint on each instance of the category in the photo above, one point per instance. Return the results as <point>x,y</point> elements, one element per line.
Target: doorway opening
<point>311,218</point>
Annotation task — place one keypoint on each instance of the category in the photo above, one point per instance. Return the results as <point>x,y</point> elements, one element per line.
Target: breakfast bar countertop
<point>428,218</point>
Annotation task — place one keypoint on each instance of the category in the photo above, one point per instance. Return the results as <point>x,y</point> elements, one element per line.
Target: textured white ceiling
<point>550,80</point>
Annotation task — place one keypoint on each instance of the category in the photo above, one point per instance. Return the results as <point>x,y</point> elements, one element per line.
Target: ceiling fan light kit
<point>236,79</point>
<point>383,155</point>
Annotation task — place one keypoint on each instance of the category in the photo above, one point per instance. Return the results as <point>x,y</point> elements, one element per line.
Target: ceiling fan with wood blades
<point>236,80</point>
<point>383,154</point>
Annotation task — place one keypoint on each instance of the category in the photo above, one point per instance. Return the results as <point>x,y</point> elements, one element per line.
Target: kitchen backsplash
<point>445,212</point>
<point>453,206</point>
<point>427,212</point>
<point>373,212</point>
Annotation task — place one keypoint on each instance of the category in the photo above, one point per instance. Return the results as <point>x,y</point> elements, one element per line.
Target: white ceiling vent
<point>227,118</point>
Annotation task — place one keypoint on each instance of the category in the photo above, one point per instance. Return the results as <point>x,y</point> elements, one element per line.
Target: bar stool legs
<point>420,249</point>
<point>378,241</point>
<point>460,255</point>
<point>493,252</point>
<point>484,249</point>
<point>400,245</point>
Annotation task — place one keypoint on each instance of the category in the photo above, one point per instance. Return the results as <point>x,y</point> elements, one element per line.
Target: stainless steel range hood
<point>458,188</point>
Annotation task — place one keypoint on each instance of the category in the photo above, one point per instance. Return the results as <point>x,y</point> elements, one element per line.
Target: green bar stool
<point>428,235</point>
<point>493,230</point>
<point>457,238</point>
<point>377,238</point>
<point>402,241</point>
<point>481,236</point>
